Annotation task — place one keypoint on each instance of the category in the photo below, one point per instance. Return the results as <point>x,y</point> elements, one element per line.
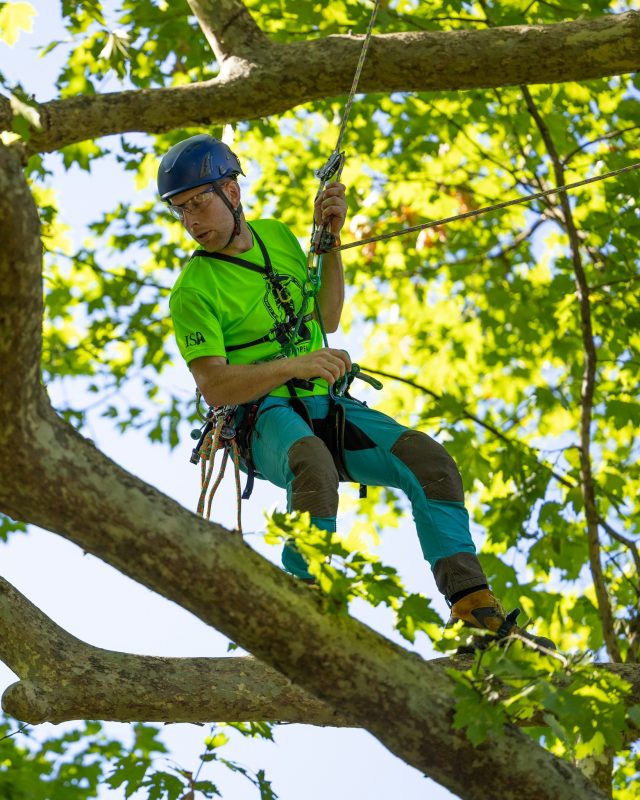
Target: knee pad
<point>434,468</point>
<point>314,487</point>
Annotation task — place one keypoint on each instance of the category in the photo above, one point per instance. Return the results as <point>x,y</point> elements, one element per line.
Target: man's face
<point>205,216</point>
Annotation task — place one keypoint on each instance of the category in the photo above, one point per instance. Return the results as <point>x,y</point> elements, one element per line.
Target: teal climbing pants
<point>378,452</point>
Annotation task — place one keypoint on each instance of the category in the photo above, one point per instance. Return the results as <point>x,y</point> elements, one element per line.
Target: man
<point>235,309</point>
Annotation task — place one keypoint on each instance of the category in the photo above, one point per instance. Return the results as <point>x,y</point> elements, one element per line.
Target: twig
<point>603,138</point>
<point>633,547</point>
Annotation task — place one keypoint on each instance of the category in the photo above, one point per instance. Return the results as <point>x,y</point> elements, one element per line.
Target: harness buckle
<point>281,332</point>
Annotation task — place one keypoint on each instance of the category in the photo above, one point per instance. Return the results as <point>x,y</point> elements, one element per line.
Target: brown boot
<point>482,609</point>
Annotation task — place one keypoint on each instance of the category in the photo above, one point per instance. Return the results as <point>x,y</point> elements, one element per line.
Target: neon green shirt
<point>216,305</point>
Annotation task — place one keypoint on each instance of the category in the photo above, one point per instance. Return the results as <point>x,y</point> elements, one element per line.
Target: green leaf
<point>9,526</point>
<point>26,117</point>
<point>14,19</point>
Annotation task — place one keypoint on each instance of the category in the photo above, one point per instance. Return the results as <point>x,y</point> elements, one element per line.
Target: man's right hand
<point>327,363</point>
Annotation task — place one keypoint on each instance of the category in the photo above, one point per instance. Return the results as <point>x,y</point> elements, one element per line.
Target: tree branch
<point>21,303</point>
<point>508,440</point>
<point>63,679</point>
<point>229,28</point>
<point>273,80</point>
<point>591,142</point>
<point>586,393</point>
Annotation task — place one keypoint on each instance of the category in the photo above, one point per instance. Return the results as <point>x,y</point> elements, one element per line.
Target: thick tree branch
<point>229,28</point>
<point>21,304</point>
<point>587,390</point>
<point>407,703</point>
<point>63,678</point>
<point>275,79</point>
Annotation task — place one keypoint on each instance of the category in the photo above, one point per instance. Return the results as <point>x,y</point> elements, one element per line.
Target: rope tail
<point>214,488</point>
<point>207,458</point>
<point>218,439</point>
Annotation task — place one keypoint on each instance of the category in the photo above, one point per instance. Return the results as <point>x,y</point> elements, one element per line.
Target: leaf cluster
<point>75,764</point>
<point>579,711</point>
<point>343,574</point>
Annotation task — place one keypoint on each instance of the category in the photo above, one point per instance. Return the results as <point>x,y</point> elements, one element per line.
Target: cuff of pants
<point>292,561</point>
<point>458,572</point>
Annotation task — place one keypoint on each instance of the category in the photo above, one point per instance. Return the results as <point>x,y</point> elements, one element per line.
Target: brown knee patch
<point>431,464</point>
<point>315,478</point>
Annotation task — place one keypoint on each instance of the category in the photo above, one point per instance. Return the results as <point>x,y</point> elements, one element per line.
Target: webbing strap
<point>292,321</point>
<point>268,337</point>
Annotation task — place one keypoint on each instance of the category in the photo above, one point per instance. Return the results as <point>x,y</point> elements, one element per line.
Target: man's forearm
<point>224,384</point>
<point>233,384</point>
<point>331,294</point>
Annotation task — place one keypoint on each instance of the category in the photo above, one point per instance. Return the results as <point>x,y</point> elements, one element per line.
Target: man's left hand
<point>330,208</point>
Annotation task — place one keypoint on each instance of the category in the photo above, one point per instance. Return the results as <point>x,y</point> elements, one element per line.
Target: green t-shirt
<point>215,304</point>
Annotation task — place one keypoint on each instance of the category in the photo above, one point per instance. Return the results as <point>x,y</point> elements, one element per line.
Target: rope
<point>214,488</point>
<point>236,471</point>
<point>332,169</point>
<point>207,452</point>
<point>356,77</point>
<point>485,210</point>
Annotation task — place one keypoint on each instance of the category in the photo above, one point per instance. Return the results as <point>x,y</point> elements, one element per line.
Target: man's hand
<point>330,208</point>
<point>326,363</point>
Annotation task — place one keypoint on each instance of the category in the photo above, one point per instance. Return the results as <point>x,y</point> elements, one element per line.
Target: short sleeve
<point>196,326</point>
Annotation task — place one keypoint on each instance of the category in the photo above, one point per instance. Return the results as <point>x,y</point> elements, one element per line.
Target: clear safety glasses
<point>194,205</point>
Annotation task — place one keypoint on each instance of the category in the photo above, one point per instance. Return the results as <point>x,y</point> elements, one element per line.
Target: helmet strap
<point>236,213</point>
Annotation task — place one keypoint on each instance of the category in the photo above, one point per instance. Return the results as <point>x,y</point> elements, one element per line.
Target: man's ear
<point>232,190</point>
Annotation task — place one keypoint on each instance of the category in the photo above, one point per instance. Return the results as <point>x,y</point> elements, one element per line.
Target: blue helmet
<point>196,161</point>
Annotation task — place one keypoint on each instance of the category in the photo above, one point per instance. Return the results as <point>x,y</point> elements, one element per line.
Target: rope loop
<point>222,436</point>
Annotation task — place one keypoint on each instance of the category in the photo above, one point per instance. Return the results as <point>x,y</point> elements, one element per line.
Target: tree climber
<point>234,308</point>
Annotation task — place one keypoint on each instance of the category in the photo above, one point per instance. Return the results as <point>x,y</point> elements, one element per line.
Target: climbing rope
<point>322,239</point>
<point>356,77</point>
<point>216,434</point>
<point>486,209</point>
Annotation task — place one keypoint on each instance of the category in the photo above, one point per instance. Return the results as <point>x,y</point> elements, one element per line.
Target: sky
<point>97,604</point>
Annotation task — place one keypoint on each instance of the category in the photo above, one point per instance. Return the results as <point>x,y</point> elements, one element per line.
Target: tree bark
<point>271,78</point>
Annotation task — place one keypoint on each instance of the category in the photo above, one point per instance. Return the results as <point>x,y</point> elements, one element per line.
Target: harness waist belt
<point>268,337</point>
